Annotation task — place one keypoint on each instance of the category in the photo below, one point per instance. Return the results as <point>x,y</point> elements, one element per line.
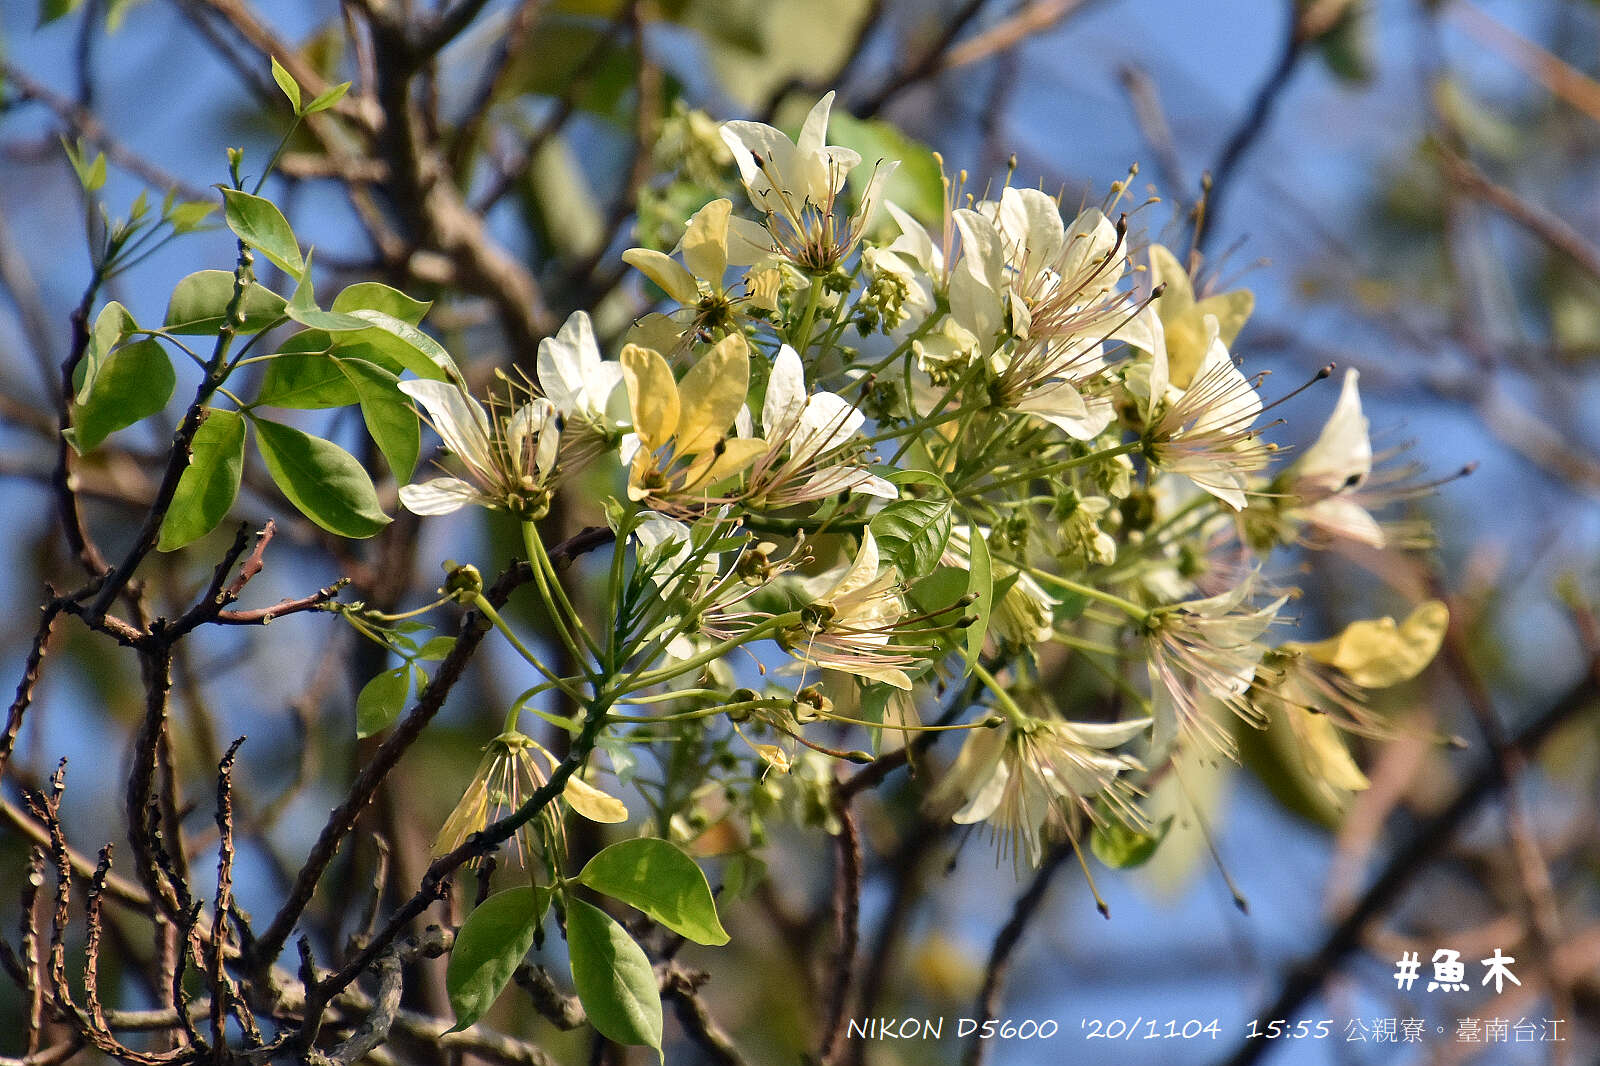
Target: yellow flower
<point>1184,318</point>
<point>507,775</point>
<point>680,445</point>
<point>715,240</point>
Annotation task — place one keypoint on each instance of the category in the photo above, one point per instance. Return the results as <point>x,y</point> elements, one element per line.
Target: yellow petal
<point>774,757</point>
<point>1178,296</point>
<point>713,391</point>
<point>762,285</point>
<point>713,466</point>
<point>466,819</point>
<point>1326,755</point>
<point>1377,653</point>
<point>644,464</point>
<point>1232,310</point>
<point>592,803</point>
<point>652,395</point>
<point>666,272</point>
<point>705,242</point>
<point>654,330</point>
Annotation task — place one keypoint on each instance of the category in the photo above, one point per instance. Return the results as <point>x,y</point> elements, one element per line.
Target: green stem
<point>277,154</point>
<point>1060,467</point>
<point>486,608</point>
<point>1132,609</point>
<point>802,334</point>
<point>562,611</point>
<point>646,679</point>
<point>1007,704</point>
<point>696,714</point>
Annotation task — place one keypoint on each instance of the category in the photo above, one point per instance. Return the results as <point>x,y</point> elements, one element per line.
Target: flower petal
<point>566,364</point>
<point>460,421</point>
<point>442,495</point>
<point>712,392</point>
<point>652,395</point>
<point>665,271</point>
<point>786,394</point>
<point>705,242</point>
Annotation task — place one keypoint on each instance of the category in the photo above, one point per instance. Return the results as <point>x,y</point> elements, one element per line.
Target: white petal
<point>914,239</point>
<point>1341,516</point>
<point>442,495</point>
<point>459,420</point>
<point>566,364</point>
<point>814,133</point>
<point>1032,222</point>
<point>1237,404</point>
<point>747,140</point>
<point>1342,454</point>
<point>786,394</point>
<point>826,422</point>
<point>1105,734</point>
<point>862,571</point>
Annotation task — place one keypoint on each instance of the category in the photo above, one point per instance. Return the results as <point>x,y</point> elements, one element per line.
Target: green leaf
<point>286,82</point>
<point>189,216</point>
<point>381,700</point>
<point>327,98</point>
<point>135,382</point>
<point>658,878</point>
<point>50,10</point>
<point>1121,847</point>
<point>91,172</point>
<point>376,296</point>
<point>743,874</point>
<point>615,983</point>
<point>111,326</point>
<point>259,223</point>
<point>912,533</point>
<point>308,381</point>
<point>489,946</point>
<point>200,302</point>
<point>388,413</point>
<point>404,343</point>
<point>304,310</point>
<point>321,479</point>
<point>980,583</point>
<point>436,649</point>
<point>210,482</point>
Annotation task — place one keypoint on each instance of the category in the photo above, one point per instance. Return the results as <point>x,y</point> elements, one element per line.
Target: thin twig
<point>846,927</point>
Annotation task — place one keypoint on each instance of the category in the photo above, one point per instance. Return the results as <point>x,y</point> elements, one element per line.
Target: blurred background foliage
<point>1408,185</point>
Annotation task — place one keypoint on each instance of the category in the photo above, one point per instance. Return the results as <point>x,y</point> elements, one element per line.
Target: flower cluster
<point>934,473</point>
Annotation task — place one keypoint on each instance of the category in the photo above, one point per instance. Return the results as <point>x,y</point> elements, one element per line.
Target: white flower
<point>1029,779</point>
<point>1206,431</point>
<point>851,627</point>
<point>1207,648</point>
<point>1023,270</point>
<point>796,185</point>
<point>774,167</point>
<point>808,434</point>
<point>582,386</point>
<point>509,461</point>
<point>1325,478</point>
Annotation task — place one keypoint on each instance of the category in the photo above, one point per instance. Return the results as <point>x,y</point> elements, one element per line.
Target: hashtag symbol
<point>1405,972</point>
